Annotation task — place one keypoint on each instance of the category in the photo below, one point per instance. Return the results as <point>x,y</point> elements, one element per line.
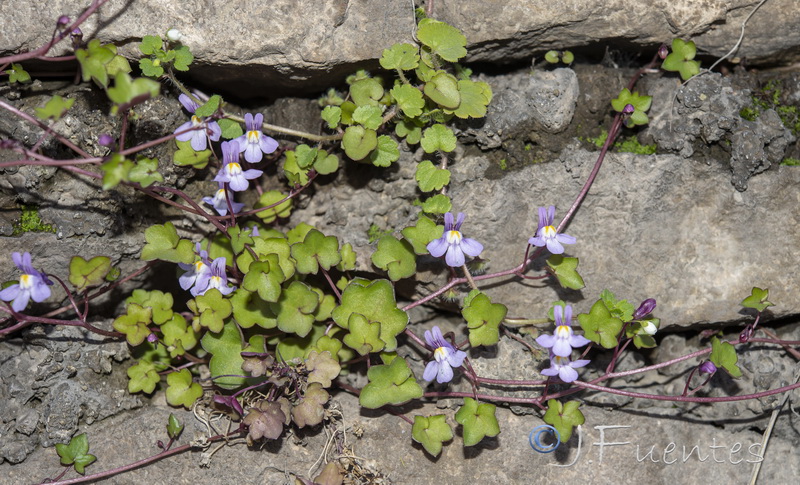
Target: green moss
<point>503,164</point>
<point>791,162</point>
<point>30,221</point>
<point>628,145</point>
<point>769,97</point>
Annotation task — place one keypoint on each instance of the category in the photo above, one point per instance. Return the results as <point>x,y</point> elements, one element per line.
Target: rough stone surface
<point>258,49</point>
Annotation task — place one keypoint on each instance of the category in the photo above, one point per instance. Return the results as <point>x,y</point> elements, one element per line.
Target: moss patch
<point>30,221</point>
<point>625,145</point>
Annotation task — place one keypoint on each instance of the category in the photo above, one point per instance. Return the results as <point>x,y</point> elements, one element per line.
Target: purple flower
<point>563,339</point>
<point>105,140</point>
<point>32,284</point>
<point>198,137</point>
<point>220,204</point>
<point>232,172</point>
<point>708,367</point>
<point>453,243</point>
<point>445,357</point>
<point>217,278</point>
<point>546,233</point>
<point>645,309</point>
<point>563,367</point>
<point>197,274</point>
<point>254,142</point>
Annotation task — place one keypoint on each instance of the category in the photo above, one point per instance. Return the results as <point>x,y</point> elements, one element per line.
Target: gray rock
<point>288,46</point>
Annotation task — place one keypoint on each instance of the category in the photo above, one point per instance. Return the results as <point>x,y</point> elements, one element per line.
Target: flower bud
<point>106,140</point>
<point>174,35</point>
<point>152,338</point>
<point>663,51</point>
<point>628,109</point>
<point>708,367</point>
<point>645,308</point>
<point>63,20</point>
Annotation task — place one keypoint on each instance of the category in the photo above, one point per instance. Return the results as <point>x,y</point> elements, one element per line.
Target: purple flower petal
<point>546,341</point>
<point>431,370</point>
<point>554,246</point>
<point>454,257</point>
<point>188,104</point>
<point>10,293</point>
<point>445,373</point>
<point>39,292</point>
<point>267,144</point>
<point>471,247</point>
<point>562,348</point>
<point>437,247</point>
<point>567,374</point>
<point>215,130</point>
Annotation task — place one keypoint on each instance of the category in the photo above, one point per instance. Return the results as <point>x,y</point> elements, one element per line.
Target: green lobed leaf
<point>181,391</point>
<point>332,115</point>
<point>281,210</point>
<point>563,417</point>
<point>723,355</point>
<point>358,142</point>
<point>478,421</point>
<point>230,129</point>
<point>310,410</point>
<point>249,310</point>
<point>295,308</point>
<point>438,137</point>
<point>316,250</point>
<point>409,99</point>
<point>174,427</point>
<point>640,103</point>
<point>183,58</point>
<point>239,238</point>
<point>211,309</point>
<point>376,302</point>
<point>385,153</point>
<point>158,302</point>
<point>145,172</point>
<point>618,308</point>
<point>18,74</point>
<point>431,432</point>
<point>757,299</point>
<point>445,40</point>
<point>226,359</point>
<point>366,91</point>
<point>134,323</point>
<point>115,171</point>
<point>209,107</point>
<point>404,57</point>
<point>437,204</point>
<point>326,164</point>
<point>395,256</point>
<point>264,247</point>
<point>100,62</point>
<point>430,178</point>
<point>442,89</point>
<point>411,130</point>
<point>483,318</point>
<point>178,335</point>
<point>151,44</point>
<point>54,108</point>
<point>126,90</point>
<point>84,274</point>
<point>422,233</point>
<point>680,59</point>
<point>76,453</point>
<point>143,376</point>
<point>265,277</point>
<point>389,384</point>
<point>151,68</point>
<point>162,242</point>
<point>298,233</point>
<point>475,98</point>
<point>600,326</point>
<point>186,156</point>
<point>369,116</point>
<point>295,174</point>
<point>348,262</point>
<point>564,269</point>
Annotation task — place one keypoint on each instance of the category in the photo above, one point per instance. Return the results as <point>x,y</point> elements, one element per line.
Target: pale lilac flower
<point>253,143</point>
<point>197,274</point>
<point>445,357</point>
<point>563,367</point>
<point>32,284</point>
<point>232,172</point>
<point>216,278</point>
<point>453,243</point>
<point>220,204</point>
<point>563,339</point>
<point>198,137</point>
<point>708,367</point>
<point>546,233</point>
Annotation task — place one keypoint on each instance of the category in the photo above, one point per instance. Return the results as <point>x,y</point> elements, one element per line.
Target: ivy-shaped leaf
<point>438,137</point>
<point>565,271</point>
<point>445,40</point>
<point>186,156</point>
<point>364,336</point>
<point>442,89</point>
<point>76,453</point>
<point>430,178</point>
<point>127,91</point>
<point>54,108</point>
<point>437,204</point>
<point>143,376</point>
<point>100,62</point>
<point>757,300</point>
<point>563,417</point>
<point>395,256</point>
<point>389,384</point>
<point>226,359</point>
<point>115,171</point>
<point>179,336</point>
<point>369,116</point>
<point>640,104</point>
<point>322,367</point>
<point>409,129</point>
<point>18,74</point>
<point>680,59</point>
<point>134,323</point>
<point>280,210</point>
<point>404,57</point>
<point>265,277</point>
<point>475,98</point>
<point>348,262</point>
<point>332,115</point>
<point>358,142</point>
<point>163,243</point>
<point>409,99</point>
<point>211,309</point>
<point>431,432</point>
<point>316,250</point>
<point>619,308</point>
<point>159,303</point>
<point>366,92</point>
<point>249,309</point>
<point>478,421</point>
<point>85,274</point>
<point>230,129</point>
<point>145,172</point>
<point>310,411</point>
<point>376,302</point>
<point>600,327</point>
<point>295,308</point>
<point>385,153</point>
<point>422,233</point>
<point>183,57</point>
<point>181,391</point>
<point>483,318</point>
<point>723,355</point>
